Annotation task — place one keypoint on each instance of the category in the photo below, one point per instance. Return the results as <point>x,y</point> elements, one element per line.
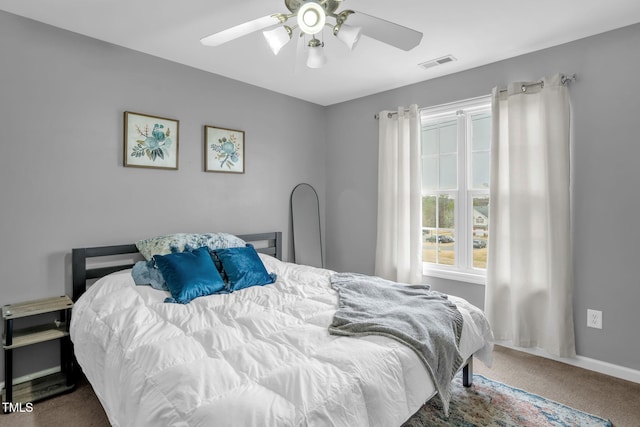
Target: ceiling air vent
<point>439,61</point>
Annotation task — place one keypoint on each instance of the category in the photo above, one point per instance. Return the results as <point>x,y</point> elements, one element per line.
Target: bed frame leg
<point>467,373</point>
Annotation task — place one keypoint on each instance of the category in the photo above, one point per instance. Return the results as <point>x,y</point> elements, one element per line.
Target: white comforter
<point>258,357</point>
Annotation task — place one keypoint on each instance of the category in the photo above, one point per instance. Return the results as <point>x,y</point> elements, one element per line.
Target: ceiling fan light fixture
<point>316,57</point>
<point>278,37</point>
<point>347,34</point>
<point>311,18</point>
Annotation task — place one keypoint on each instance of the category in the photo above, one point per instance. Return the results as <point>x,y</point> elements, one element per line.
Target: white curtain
<point>528,296</point>
<point>398,245</point>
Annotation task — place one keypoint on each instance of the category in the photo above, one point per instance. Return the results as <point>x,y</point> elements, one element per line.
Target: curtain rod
<point>406,110</point>
<point>391,114</point>
<point>564,79</point>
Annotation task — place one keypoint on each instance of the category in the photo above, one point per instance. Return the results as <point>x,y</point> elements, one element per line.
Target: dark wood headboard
<point>81,273</point>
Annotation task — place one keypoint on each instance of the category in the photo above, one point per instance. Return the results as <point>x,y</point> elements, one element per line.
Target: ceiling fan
<point>312,16</point>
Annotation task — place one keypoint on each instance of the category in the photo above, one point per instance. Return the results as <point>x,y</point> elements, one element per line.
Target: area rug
<point>490,403</point>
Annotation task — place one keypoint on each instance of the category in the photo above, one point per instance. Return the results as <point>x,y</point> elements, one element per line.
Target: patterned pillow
<point>180,242</point>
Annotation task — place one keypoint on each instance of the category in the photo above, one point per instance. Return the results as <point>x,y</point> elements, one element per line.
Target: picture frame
<point>224,150</point>
<point>150,141</point>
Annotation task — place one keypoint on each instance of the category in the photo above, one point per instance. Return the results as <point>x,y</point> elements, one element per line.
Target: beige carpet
<point>607,397</point>
<point>598,394</point>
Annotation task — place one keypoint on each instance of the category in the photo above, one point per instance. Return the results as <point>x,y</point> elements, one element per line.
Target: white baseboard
<point>34,375</point>
<point>595,365</point>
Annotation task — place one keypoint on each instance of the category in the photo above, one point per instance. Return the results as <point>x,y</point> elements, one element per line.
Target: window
<point>455,189</point>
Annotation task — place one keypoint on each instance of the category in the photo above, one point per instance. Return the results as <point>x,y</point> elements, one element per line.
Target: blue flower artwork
<point>155,145</point>
<point>150,141</point>
<point>225,150</point>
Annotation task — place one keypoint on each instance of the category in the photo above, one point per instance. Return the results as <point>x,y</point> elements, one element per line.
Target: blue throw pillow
<point>189,275</point>
<point>146,273</point>
<point>243,268</point>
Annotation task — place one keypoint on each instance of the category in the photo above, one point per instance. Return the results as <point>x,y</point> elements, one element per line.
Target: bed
<point>260,356</point>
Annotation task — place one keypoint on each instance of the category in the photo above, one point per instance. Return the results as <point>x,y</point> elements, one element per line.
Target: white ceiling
<point>474,32</point>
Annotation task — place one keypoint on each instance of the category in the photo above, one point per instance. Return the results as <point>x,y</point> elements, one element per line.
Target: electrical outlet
<point>594,319</point>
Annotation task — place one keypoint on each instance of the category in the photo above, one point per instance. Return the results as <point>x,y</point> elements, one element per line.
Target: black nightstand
<point>45,386</point>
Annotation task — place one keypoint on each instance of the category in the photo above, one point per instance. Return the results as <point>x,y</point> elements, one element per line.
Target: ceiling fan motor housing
<point>311,18</point>
<point>330,6</point>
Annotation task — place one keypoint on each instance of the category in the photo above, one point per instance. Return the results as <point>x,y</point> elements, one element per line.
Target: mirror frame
<point>293,239</point>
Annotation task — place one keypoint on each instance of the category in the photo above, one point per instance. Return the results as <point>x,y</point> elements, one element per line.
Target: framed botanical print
<point>224,150</point>
<point>150,141</point>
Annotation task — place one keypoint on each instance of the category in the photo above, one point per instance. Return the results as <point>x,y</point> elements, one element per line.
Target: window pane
<point>429,141</point>
<point>480,146</point>
<point>429,212</point>
<point>449,137</point>
<point>446,212</point>
<point>446,226</point>
<point>481,131</point>
<point>429,228</point>
<point>480,230</point>
<point>448,172</point>
<point>481,170</point>
<point>430,173</point>
<point>438,224</point>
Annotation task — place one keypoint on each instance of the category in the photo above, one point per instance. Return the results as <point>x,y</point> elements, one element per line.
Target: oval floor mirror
<point>305,218</point>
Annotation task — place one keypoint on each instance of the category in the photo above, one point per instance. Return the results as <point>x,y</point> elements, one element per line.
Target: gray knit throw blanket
<point>422,319</point>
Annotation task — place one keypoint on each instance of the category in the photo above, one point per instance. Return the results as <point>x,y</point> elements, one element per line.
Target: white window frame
<point>463,270</point>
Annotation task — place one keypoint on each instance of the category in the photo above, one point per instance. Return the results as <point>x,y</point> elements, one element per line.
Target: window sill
<point>461,276</point>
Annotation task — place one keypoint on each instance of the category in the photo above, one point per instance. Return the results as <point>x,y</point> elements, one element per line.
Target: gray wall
<point>606,108</point>
<point>62,183</point>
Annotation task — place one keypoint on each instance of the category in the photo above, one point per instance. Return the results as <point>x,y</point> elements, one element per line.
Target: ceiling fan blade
<point>240,30</point>
<point>300,57</point>
<point>385,31</point>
